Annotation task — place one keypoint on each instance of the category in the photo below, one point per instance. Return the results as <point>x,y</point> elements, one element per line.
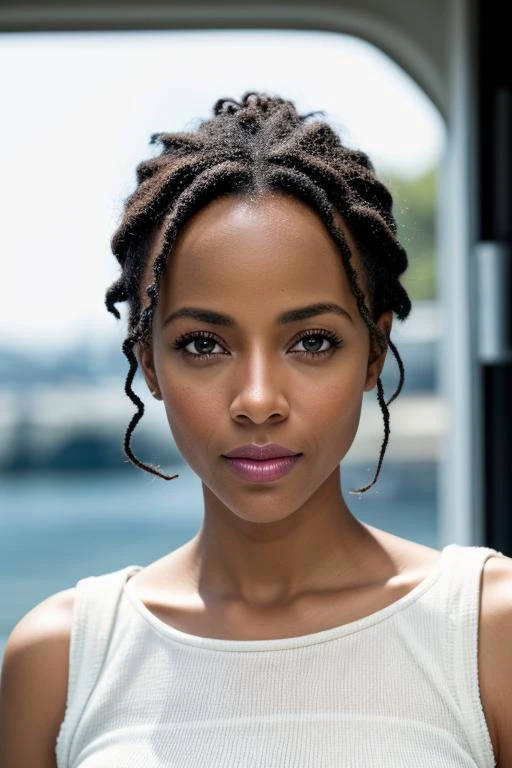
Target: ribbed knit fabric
<point>395,689</point>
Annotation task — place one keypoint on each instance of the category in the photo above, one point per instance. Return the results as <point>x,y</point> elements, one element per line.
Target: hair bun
<point>251,100</point>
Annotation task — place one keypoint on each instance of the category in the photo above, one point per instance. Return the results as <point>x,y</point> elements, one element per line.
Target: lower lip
<point>263,471</point>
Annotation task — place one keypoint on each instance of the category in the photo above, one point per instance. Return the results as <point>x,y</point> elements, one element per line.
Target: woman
<point>261,267</point>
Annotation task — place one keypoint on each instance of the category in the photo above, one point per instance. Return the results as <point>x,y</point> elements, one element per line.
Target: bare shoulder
<point>33,683</point>
<point>413,561</point>
<point>495,654</point>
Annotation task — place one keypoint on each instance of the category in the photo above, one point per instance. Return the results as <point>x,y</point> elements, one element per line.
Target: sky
<point>78,110</point>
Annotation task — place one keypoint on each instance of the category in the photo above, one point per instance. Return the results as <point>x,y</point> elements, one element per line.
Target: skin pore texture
<point>286,557</point>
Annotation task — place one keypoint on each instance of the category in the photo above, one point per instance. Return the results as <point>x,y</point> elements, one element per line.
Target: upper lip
<point>260,452</point>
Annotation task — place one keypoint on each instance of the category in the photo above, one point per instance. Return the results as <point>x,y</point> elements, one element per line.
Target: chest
<point>359,700</point>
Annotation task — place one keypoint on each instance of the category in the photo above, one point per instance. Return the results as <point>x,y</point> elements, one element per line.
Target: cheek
<point>329,412</point>
<point>193,413</point>
<point>332,409</point>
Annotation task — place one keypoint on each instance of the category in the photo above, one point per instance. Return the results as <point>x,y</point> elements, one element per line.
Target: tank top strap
<point>95,607</point>
<point>463,590</point>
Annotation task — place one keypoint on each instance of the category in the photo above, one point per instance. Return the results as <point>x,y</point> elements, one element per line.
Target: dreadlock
<point>250,147</point>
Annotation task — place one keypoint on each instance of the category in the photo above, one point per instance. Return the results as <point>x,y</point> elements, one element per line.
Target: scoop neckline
<point>283,643</point>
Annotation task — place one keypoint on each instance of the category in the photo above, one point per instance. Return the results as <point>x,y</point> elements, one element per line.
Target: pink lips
<point>262,463</point>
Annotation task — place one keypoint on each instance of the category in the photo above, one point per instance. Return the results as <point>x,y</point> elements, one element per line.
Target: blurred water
<point>56,529</point>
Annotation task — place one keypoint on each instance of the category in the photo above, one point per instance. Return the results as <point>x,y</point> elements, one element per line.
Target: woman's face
<point>255,375</point>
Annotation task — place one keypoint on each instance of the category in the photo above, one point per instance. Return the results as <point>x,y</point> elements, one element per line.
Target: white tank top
<point>394,689</point>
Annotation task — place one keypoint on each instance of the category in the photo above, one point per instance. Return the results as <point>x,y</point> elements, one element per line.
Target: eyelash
<point>184,341</point>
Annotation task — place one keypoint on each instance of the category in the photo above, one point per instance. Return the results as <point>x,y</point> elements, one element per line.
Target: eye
<point>202,341</point>
<point>318,343</point>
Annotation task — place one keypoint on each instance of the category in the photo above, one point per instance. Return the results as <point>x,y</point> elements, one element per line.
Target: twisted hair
<point>249,147</point>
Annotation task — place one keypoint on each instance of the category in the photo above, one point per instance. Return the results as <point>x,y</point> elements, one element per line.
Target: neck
<point>319,546</point>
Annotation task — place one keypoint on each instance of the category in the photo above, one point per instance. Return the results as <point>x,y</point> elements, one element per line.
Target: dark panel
<point>494,139</point>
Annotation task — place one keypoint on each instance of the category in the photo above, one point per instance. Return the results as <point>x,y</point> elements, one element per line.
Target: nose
<point>259,390</point>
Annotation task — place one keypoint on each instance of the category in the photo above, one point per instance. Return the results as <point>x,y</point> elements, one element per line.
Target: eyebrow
<point>292,315</point>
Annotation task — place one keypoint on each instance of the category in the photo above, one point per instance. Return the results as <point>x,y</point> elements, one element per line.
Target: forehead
<point>256,249</point>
